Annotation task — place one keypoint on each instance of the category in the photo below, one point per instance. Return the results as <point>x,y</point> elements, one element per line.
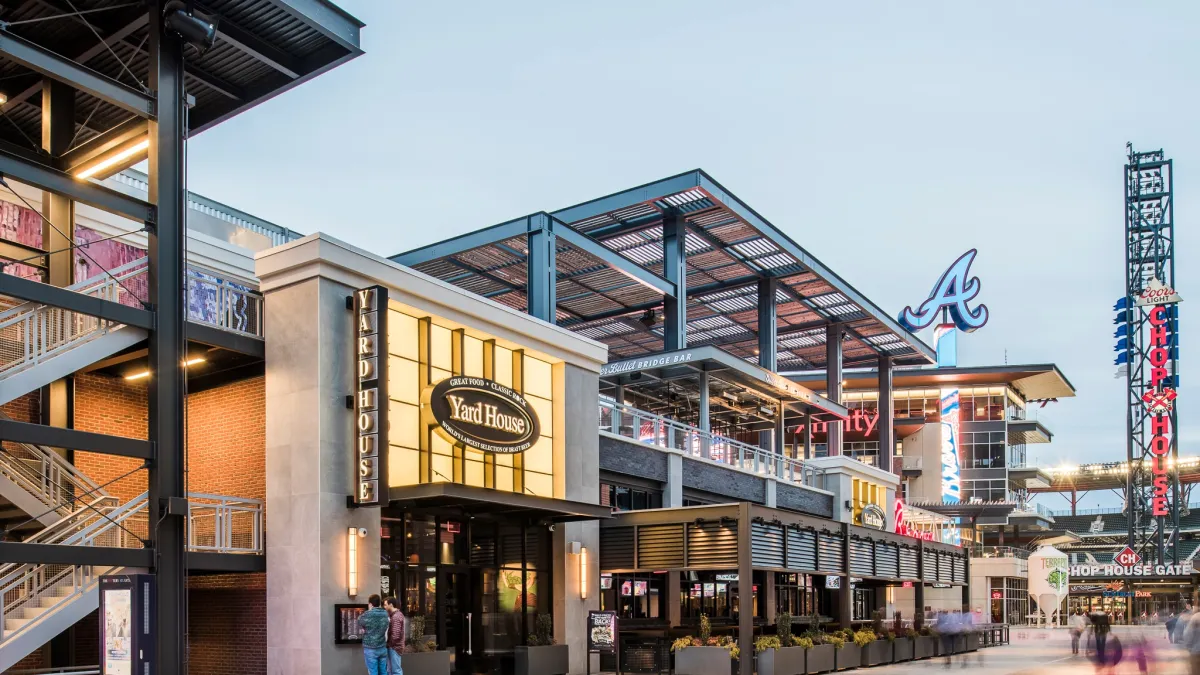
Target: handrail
<point>630,422</point>
<point>57,483</point>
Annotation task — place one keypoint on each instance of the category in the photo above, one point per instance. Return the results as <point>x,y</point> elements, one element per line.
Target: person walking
<point>1181,624</point>
<point>1100,630</point>
<point>396,635</point>
<point>946,629</point>
<point>373,624</point>
<point>1191,642</point>
<point>1078,625</point>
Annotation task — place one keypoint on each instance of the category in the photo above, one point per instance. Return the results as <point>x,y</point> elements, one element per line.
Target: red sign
<point>906,584</point>
<point>902,526</point>
<point>863,421</point>
<point>997,595</point>
<point>1128,557</point>
<point>1159,405</point>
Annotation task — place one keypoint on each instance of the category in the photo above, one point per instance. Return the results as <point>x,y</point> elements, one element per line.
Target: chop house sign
<point>483,414</point>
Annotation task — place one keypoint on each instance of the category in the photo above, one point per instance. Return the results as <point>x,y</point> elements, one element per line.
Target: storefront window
<point>716,594</point>
<point>634,596</point>
<point>982,404</point>
<point>625,498</point>
<point>794,594</point>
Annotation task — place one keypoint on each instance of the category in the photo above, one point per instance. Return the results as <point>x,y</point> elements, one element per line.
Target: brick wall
<point>227,625</point>
<point>24,409</point>
<point>116,406</point>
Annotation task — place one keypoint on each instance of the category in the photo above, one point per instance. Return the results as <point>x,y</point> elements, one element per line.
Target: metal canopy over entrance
<point>674,263</point>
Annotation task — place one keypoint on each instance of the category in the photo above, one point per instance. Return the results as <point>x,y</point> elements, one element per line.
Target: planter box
<point>702,661</point>
<point>879,651</point>
<point>972,641</point>
<point>426,663</point>
<point>549,660</point>
<point>849,656</point>
<point>785,661</point>
<point>924,647</point>
<point>820,659</point>
<point>903,650</point>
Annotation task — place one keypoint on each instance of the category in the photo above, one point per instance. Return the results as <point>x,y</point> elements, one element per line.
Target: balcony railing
<point>639,425</point>
<point>222,524</point>
<point>1002,552</point>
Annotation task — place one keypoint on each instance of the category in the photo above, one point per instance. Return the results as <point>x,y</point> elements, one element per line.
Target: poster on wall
<point>511,598</point>
<point>118,624</point>
<point>345,624</point>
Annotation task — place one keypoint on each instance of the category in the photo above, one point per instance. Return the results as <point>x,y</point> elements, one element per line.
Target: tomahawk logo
<point>1128,557</point>
<point>1159,402</point>
<point>953,291</point>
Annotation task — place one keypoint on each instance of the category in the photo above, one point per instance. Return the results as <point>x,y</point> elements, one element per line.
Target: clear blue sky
<point>886,138</point>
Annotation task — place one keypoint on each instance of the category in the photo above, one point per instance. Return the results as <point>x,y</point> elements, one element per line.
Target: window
<point>982,404</point>
<point>625,498</point>
<point>982,449</point>
<point>925,403</point>
<point>794,594</point>
<point>715,594</point>
<point>866,452</point>
<point>634,596</point>
<point>984,490</point>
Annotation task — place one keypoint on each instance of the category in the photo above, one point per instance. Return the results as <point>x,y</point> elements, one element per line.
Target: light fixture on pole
<point>583,573</point>
<point>180,18</point>
<point>352,561</point>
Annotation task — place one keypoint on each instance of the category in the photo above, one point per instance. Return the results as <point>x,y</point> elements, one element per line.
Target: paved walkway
<point>1041,651</point>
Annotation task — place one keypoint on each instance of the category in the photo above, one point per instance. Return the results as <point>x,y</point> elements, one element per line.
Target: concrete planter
<point>426,663</point>
<point>877,652</point>
<point>925,647</point>
<point>703,661</point>
<point>785,661</point>
<point>972,641</point>
<point>820,659</point>
<point>904,649</point>
<point>549,660</point>
<point>849,656</point>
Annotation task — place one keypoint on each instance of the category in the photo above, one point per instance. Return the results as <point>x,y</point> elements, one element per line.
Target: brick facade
<point>226,429</point>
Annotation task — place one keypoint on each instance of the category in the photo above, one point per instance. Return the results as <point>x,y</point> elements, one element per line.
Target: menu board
<point>345,624</point>
<point>602,633</point>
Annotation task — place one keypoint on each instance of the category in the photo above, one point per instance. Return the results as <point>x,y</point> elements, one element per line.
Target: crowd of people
<point>1094,632</point>
<point>950,625</point>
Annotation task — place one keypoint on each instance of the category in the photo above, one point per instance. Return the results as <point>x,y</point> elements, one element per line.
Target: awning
<point>477,500</point>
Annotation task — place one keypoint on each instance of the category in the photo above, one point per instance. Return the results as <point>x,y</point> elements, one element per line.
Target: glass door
<point>460,621</point>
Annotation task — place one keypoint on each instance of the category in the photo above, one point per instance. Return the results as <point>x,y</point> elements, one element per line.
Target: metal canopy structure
<point>1036,382</point>
<point>263,48</point>
<point>674,263</point>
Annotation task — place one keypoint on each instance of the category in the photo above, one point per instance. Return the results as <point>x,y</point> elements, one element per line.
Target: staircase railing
<point>46,475</point>
<point>31,333</point>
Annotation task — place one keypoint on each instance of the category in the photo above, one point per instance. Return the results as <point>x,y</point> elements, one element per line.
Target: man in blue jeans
<point>374,626</point>
<point>396,634</point>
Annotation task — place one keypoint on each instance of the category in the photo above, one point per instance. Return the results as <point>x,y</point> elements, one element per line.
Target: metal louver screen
<point>802,550</point>
<point>510,549</point>
<point>712,544</point>
<point>945,569</point>
<point>887,560</point>
<point>960,569</point>
<point>483,550</point>
<point>767,544</point>
<point>829,553</point>
<point>929,565</point>
<point>861,557</point>
<point>660,546</point>
<point>908,563</point>
<point>616,548</point>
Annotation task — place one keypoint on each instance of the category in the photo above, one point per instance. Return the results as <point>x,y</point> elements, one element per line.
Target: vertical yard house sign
<point>370,395</point>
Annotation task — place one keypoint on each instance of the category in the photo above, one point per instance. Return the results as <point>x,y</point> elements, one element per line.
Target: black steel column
<point>966,589</point>
<point>887,416</point>
<point>58,231</point>
<point>845,595</point>
<point>919,586</point>
<point>705,414</point>
<point>167,385</point>
<point>833,384</point>
<point>542,270</point>
<point>745,548</point>
<point>808,431</point>
<point>767,327</point>
<point>675,271</point>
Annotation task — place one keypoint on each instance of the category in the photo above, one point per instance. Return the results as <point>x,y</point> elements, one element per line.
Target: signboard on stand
<point>127,623</point>
<point>603,636</point>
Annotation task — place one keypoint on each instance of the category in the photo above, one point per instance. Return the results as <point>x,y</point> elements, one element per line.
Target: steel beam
<point>833,384</point>
<point>46,294</point>
<point>768,341</point>
<point>28,255</point>
<point>70,72</point>
<point>887,415</point>
<point>168,344</point>
<point>49,178</point>
<point>216,337</point>
<point>57,437</point>
<point>325,18</point>
<point>675,270</point>
<point>59,554</point>
<point>626,198</point>
<point>615,260</point>
<point>225,563</point>
<point>541,276</point>
<point>465,242</point>
<point>123,134</point>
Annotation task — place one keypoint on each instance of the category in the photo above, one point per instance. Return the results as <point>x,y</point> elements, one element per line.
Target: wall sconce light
<point>352,536</point>
<point>583,573</point>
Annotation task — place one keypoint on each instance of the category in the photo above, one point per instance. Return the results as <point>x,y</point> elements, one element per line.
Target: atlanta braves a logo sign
<point>954,291</point>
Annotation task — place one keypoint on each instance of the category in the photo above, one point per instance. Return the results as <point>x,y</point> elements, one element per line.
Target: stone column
<point>309,432</point>
<point>673,492</point>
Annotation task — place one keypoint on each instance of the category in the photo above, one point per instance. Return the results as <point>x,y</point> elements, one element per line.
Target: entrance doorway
<point>460,617</point>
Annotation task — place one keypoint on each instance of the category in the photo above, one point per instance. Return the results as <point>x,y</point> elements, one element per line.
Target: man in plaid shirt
<point>395,639</point>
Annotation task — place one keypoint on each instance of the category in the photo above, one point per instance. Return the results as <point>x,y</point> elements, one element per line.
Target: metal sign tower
<point>1148,342</point>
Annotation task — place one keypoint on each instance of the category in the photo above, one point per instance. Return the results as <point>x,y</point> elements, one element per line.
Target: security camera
<point>551,527</point>
<point>362,531</point>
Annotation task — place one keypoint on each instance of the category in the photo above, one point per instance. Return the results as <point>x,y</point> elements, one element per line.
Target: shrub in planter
<point>542,656</point>
<point>903,646</point>
<point>774,659</point>
<point>704,654</point>
<point>875,649</point>
<point>421,655</point>
<point>819,656</point>
<point>847,654</point>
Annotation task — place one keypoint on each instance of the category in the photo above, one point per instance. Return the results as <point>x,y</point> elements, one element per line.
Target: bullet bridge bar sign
<point>370,395</point>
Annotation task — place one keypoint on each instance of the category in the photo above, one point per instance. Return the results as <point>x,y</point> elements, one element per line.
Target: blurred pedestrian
<point>1100,630</point>
<point>1181,624</point>
<point>945,629</point>
<point>1191,641</point>
<point>1078,625</point>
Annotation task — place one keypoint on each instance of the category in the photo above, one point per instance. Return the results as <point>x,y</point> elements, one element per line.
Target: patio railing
<point>639,425</point>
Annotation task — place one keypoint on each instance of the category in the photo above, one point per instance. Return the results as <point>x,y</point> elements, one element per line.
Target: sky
<point>885,138</point>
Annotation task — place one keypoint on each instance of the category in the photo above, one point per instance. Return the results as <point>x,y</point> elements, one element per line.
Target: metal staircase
<point>41,485</point>
<point>40,343</point>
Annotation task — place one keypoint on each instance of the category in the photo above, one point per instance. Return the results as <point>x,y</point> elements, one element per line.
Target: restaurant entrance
<point>473,579</point>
